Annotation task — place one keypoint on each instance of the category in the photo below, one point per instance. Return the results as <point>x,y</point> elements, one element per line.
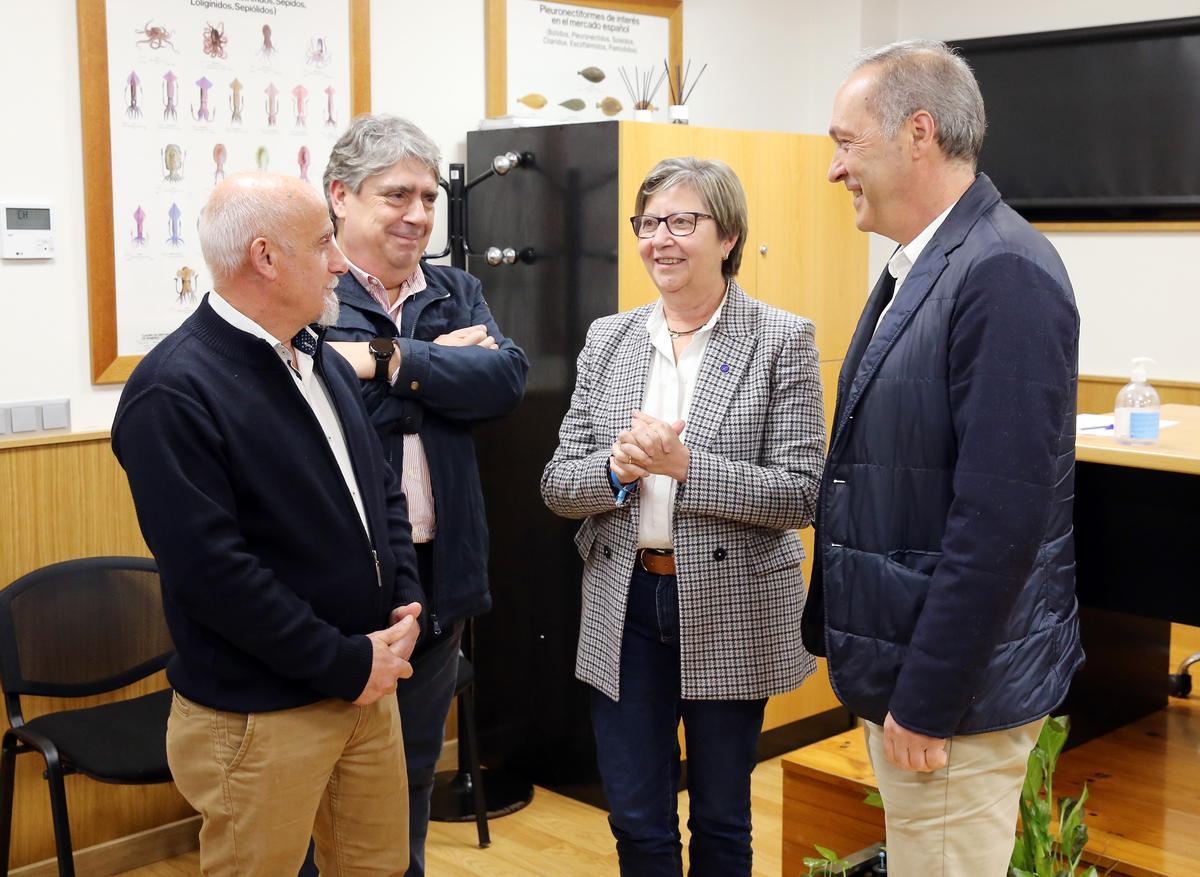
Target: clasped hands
<point>650,447</point>
<point>390,650</point>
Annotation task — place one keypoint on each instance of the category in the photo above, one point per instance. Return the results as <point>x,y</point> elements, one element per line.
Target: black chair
<point>77,629</point>
<point>458,796</point>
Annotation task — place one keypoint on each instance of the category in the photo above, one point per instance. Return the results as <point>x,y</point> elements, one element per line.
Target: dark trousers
<point>425,700</point>
<point>638,751</point>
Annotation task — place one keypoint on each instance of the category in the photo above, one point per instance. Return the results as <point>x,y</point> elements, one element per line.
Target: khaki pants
<point>265,782</point>
<point>961,820</point>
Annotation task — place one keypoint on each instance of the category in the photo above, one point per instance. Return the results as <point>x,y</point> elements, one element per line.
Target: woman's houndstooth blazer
<point>757,437</point>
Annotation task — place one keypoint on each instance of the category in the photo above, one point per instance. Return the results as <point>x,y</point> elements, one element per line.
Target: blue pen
<point>1091,428</point>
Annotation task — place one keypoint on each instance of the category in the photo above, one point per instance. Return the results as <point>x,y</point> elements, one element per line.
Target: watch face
<point>382,348</point>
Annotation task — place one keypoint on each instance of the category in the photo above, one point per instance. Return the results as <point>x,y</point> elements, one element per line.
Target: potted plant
<point>1044,849</point>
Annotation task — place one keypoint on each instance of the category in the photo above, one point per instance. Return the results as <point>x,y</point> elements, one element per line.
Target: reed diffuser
<point>680,90</point>
<point>641,93</point>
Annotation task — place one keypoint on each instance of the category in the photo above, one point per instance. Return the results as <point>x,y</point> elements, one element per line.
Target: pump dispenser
<point>1137,408</point>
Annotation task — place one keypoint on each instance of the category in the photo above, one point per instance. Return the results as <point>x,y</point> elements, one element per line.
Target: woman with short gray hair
<point>692,451</point>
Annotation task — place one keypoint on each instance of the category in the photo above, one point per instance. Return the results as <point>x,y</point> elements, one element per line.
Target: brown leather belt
<point>660,561</point>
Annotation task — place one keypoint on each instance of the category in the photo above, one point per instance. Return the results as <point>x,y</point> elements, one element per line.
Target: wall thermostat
<point>26,231</point>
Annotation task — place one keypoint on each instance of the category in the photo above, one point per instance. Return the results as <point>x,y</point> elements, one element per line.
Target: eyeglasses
<point>678,224</point>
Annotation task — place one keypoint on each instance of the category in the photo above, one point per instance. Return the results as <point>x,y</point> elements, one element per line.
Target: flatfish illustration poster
<point>565,63</point>
<point>199,90</point>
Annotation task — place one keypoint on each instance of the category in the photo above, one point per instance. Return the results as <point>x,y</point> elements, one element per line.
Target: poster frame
<point>496,29</point>
<point>108,367</point>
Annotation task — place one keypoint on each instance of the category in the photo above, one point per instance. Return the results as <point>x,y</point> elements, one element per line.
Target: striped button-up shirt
<point>414,476</point>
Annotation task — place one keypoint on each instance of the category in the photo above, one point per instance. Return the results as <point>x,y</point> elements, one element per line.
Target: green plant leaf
<point>1053,737</point>
<point>873,798</point>
<point>1072,833</point>
<point>830,855</point>
<point>1020,872</point>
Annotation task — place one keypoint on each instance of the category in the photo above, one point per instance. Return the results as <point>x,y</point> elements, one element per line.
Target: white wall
<point>773,65</point>
<point>44,351</point>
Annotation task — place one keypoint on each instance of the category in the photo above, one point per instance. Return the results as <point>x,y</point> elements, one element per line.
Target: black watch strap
<point>382,349</point>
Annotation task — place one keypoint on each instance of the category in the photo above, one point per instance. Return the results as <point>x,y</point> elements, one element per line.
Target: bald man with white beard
<point>284,549</point>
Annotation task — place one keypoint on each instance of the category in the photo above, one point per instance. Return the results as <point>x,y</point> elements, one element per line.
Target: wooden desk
<point>1177,449</point>
<point>1137,516</point>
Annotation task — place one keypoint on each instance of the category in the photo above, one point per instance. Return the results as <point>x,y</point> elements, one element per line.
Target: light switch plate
<point>26,418</point>
<point>56,414</point>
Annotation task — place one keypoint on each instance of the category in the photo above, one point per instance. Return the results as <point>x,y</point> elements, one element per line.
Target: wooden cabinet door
<point>811,260</point>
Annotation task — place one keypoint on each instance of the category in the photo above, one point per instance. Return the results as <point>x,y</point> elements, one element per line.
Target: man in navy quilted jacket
<point>943,589</point>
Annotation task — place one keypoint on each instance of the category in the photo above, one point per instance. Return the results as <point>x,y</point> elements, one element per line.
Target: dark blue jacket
<point>440,393</point>
<point>269,580</point>
<point>944,577</point>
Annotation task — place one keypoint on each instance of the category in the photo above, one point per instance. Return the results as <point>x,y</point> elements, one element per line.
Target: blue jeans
<point>425,700</point>
<point>638,751</point>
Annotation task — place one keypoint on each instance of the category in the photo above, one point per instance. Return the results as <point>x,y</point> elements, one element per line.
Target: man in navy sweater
<point>943,589</point>
<point>284,548</point>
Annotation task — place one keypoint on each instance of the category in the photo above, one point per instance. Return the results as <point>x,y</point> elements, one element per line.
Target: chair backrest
<point>82,627</point>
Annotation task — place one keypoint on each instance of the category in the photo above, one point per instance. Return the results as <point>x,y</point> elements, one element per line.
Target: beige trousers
<point>961,820</point>
<point>265,782</point>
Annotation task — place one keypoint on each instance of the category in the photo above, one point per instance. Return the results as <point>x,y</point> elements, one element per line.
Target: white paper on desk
<point>1093,424</point>
<point>1101,425</point>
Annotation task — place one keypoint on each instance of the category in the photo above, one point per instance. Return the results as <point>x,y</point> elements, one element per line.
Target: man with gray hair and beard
<point>433,363</point>
<point>284,550</point>
<point>943,589</point>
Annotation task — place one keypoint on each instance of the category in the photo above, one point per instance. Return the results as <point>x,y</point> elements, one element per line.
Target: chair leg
<point>58,809</point>
<point>468,738</point>
<point>8,771</point>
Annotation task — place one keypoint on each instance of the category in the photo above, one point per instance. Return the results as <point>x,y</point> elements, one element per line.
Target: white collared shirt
<point>905,257</point>
<point>311,387</point>
<point>414,472</point>
<point>669,388</point>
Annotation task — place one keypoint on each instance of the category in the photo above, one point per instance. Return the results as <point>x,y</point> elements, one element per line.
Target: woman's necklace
<point>685,332</point>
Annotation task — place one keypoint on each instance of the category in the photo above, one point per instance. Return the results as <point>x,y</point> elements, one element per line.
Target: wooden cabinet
<point>572,206</point>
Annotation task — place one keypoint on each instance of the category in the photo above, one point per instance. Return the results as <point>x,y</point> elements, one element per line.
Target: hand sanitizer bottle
<point>1136,421</point>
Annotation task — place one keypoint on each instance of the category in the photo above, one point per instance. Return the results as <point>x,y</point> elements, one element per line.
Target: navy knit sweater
<point>270,582</point>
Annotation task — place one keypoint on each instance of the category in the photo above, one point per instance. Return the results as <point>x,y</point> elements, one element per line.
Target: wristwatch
<point>382,349</point>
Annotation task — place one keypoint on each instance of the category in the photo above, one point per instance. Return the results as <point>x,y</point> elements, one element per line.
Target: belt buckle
<point>660,553</point>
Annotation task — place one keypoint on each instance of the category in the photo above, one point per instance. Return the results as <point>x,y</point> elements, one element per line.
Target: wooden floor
<point>551,837</point>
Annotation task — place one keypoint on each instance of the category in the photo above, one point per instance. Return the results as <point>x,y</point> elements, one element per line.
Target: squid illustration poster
<point>578,63</point>
<point>199,90</point>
